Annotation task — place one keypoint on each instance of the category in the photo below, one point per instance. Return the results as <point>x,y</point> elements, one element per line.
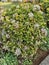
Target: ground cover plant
<point>23,30</point>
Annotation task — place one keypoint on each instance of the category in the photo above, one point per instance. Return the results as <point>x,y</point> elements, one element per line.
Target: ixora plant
<point>23,31</point>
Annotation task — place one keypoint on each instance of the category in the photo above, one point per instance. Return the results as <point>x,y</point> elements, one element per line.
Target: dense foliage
<point>11,59</point>
<point>23,30</point>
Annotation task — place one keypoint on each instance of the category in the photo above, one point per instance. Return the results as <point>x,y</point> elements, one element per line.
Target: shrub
<point>23,30</point>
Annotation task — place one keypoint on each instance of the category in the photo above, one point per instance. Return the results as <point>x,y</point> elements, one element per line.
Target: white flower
<point>16,25</point>
<point>30,14</point>
<point>7,36</point>
<point>18,52</point>
<point>36,25</point>
<point>44,31</point>
<point>36,7</point>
